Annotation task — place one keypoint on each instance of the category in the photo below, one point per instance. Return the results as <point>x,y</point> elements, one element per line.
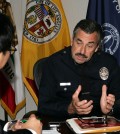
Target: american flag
<point>41,12</point>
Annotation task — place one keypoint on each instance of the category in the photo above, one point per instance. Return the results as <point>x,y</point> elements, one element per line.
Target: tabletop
<point>58,123</point>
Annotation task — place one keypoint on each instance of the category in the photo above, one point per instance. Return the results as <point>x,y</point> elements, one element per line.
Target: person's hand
<point>107,101</point>
<point>79,107</point>
<point>32,123</point>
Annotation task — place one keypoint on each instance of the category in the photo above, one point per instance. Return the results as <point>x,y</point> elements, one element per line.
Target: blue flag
<point>107,14</point>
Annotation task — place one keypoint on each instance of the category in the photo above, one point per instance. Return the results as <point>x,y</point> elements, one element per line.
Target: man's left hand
<point>107,101</point>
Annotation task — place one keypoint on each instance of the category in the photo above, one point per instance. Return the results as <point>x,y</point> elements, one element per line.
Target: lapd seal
<point>104,73</point>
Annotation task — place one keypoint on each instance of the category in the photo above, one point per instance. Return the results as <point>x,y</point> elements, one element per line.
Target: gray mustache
<point>79,54</point>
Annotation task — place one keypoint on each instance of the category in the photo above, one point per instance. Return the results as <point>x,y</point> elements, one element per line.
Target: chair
<point>37,71</point>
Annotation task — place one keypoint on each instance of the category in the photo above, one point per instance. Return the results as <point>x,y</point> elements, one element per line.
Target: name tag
<point>65,84</point>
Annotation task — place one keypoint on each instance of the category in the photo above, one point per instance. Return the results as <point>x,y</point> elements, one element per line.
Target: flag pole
<point>6,116</point>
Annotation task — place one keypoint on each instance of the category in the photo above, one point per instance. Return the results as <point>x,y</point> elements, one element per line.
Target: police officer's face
<point>83,46</point>
<point>4,58</point>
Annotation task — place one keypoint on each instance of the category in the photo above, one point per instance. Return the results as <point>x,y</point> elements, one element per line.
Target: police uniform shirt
<point>61,76</point>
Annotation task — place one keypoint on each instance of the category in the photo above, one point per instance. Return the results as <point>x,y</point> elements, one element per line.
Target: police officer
<point>80,79</point>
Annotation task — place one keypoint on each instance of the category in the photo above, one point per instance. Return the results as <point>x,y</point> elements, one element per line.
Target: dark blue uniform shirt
<point>61,77</point>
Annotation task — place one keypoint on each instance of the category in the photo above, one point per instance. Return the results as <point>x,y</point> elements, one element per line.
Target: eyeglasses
<point>12,50</point>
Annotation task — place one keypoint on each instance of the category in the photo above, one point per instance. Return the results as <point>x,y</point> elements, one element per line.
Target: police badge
<point>104,73</point>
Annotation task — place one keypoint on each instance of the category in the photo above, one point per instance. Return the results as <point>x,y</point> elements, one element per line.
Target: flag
<point>45,32</point>
<point>11,85</point>
<point>107,13</point>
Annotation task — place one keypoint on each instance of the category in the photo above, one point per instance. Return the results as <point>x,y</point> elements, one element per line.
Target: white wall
<point>75,10</point>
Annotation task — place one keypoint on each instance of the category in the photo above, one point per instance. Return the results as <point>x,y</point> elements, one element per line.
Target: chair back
<point>37,71</point>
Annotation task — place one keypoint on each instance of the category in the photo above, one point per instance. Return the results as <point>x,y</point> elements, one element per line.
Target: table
<point>62,128</point>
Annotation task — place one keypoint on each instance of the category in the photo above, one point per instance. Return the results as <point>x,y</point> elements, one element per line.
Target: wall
<point>75,10</point>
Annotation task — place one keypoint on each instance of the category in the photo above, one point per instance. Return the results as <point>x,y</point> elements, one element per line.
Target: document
<point>50,132</point>
<point>93,124</point>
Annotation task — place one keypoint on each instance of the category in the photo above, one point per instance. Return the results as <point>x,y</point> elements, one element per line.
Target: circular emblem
<point>104,73</point>
<point>42,21</point>
<point>111,39</point>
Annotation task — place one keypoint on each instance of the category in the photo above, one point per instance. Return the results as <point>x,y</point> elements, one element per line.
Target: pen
<point>93,117</point>
<point>25,120</point>
<point>105,119</point>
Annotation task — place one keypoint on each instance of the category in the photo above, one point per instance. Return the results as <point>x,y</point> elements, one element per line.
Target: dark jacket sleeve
<point>116,107</point>
<point>24,131</point>
<point>2,123</point>
<point>50,100</point>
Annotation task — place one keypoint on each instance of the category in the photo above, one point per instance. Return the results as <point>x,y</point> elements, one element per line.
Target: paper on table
<point>50,132</point>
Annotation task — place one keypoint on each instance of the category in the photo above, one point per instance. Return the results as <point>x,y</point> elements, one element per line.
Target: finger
<point>109,107</point>
<point>109,100</point>
<point>84,104</point>
<point>104,91</point>
<point>111,97</point>
<point>32,116</point>
<point>84,111</point>
<point>17,125</point>
<point>76,94</point>
<point>111,103</point>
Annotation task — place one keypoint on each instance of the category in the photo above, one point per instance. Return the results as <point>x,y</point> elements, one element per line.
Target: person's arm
<point>22,131</point>
<point>32,126</point>
<point>115,86</point>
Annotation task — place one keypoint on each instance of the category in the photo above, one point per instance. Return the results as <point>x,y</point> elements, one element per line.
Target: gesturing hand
<point>80,107</point>
<point>106,101</point>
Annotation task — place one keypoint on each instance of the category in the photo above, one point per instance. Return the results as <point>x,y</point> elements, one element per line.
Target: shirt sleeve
<point>5,128</point>
<point>8,125</point>
<point>32,131</point>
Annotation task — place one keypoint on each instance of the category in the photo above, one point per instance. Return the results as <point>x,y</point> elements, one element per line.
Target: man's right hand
<point>79,107</point>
